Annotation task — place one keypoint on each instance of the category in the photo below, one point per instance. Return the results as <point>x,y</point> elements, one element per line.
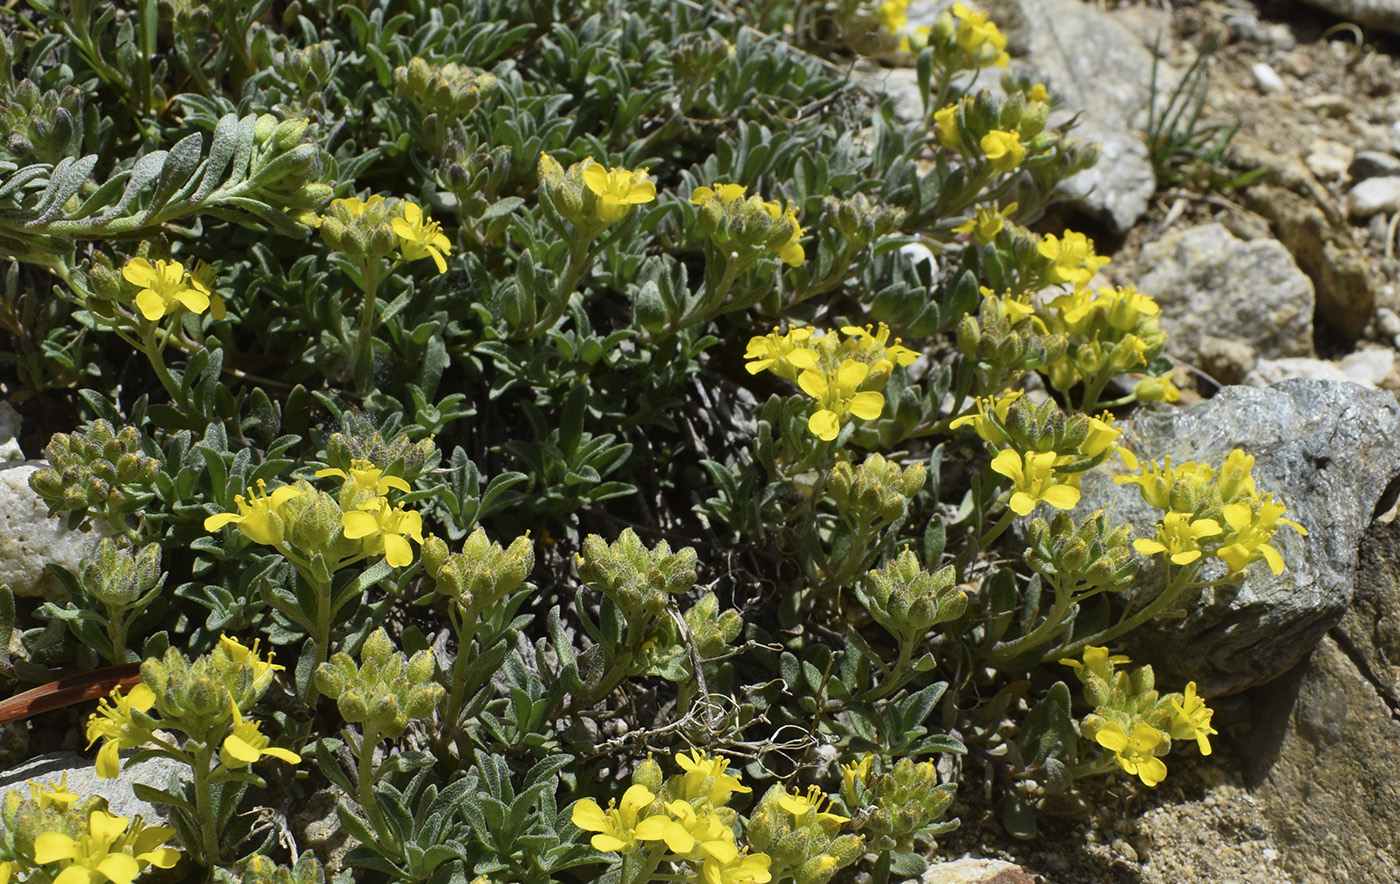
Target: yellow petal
<point>138,271</point>
<point>396,550</point>
<point>240,750</point>
<point>219,520</point>
<point>1186,558</point>
<point>286,755</point>
<point>53,846</point>
<point>596,177</point>
<point>151,305</point>
<point>194,300</point>
<point>607,843</point>
<point>1148,547</point>
<point>813,383</point>
<point>824,425</point>
<point>1022,503</point>
<point>1008,463</point>
<point>162,858</point>
<point>1061,497</point>
<point>109,763</point>
<point>357,525</point>
<point>1272,557</point>
<point>141,697</point>
<point>119,868</point>
<point>867,406</point>
<point>587,815</point>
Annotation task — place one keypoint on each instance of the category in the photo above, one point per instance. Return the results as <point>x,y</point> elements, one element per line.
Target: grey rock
<point>1266,78</point>
<point>1373,164</point>
<point>83,780</point>
<point>1226,360</point>
<point>1268,372</point>
<point>1110,87</point>
<point>1209,282</point>
<point>1327,450</point>
<point>1325,757</point>
<point>1322,244</point>
<point>1381,14</point>
<point>1329,160</point>
<point>974,870</point>
<point>1374,196</point>
<point>9,433</point>
<point>30,540</point>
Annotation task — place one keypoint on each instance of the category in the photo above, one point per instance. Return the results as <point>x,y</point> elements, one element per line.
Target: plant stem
<point>1176,585</point>
<point>204,805</point>
<point>365,774</point>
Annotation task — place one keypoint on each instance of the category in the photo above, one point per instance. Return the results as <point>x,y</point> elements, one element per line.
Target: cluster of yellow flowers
<point>977,41</point>
<point>1047,466</point>
<point>370,229</point>
<point>165,287</point>
<point>300,522</point>
<point>124,722</point>
<point>739,223</point>
<point>1133,723</point>
<point>842,375</point>
<point>56,835</point>
<point>1210,513</point>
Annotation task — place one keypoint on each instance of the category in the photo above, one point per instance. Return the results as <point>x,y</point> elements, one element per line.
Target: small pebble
<point>1373,164</point>
<point>1267,79</point>
<point>1125,850</point>
<point>1387,322</point>
<point>1374,195</point>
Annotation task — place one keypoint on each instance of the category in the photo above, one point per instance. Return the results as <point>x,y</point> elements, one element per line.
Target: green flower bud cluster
<point>50,808</point>
<point>120,580</point>
<point>1090,557</point>
<point>308,70</point>
<point>188,16</point>
<point>482,574</point>
<point>907,600</point>
<point>197,697</point>
<point>386,690</point>
<point>399,454</point>
<point>361,229</point>
<point>287,166</point>
<point>801,838</point>
<point>901,806</point>
<point>1001,344</point>
<point>449,90</point>
<point>258,869</point>
<point>100,471</point>
<point>964,126</point>
<point>312,522</point>
<point>44,126</point>
<point>638,580</point>
<point>712,630</point>
<point>876,491</point>
<point>860,221</point>
<point>744,228</point>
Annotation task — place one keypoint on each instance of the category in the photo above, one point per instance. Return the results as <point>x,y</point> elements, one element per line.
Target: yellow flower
<point>113,722</point>
<point>1191,720</point>
<point>246,744</point>
<point>1033,478</point>
<point>837,396</point>
<point>354,206</point>
<point>163,286</point>
<point>1157,389</point>
<point>980,38</point>
<point>1159,484</point>
<point>1039,93</point>
<point>1179,537</point>
<point>1103,436</point>
<point>421,237</point>
<point>241,654</point>
<point>364,478</point>
<point>690,835</point>
<point>1097,663</point>
<point>616,827</point>
<point>618,190</point>
<point>990,417</point>
<point>48,795</point>
<point>1135,754</point>
<point>872,345</point>
<point>748,869</point>
<point>1250,532</point>
<point>1004,149</point>
<point>892,15</point>
<point>705,778</point>
<point>383,530</point>
<point>809,807</point>
<point>946,121</point>
<point>856,772</point>
<point>725,193</point>
<point>107,851</point>
<point>782,354</point>
<point>1072,258</point>
<point>259,515</point>
<point>202,279</point>
<point>986,224</point>
<point>790,252</point>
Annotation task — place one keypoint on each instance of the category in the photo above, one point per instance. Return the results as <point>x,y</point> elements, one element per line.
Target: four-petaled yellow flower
<point>107,851</point>
<point>1004,149</point>
<point>421,237</point>
<point>747,869</point>
<point>688,834</point>
<point>246,744</point>
<point>164,287</point>
<point>1136,754</point>
<point>618,190</point>
<point>987,223</point>
<point>258,516</point>
<point>1098,663</point>
<point>1191,720</point>
<point>364,478</point>
<point>809,807</point>
<point>856,772</point>
<point>1250,532</point>
<point>51,795</point>
<point>1179,537</point>
<point>990,417</point>
<point>113,722</point>
<point>980,38</point>
<point>1072,258</point>
<point>383,529</point>
<point>873,344</point>
<point>782,354</point>
<point>837,395</point>
<point>616,827</point>
<point>705,778</point>
<point>246,656</point>
<point>1157,388</point>
<point>1033,480</point>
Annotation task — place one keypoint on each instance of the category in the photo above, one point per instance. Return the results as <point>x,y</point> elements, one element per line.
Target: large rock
<point>1208,282</point>
<point>1108,87</point>
<point>1326,767</point>
<point>30,540</point>
<point>83,781</point>
<point>1381,14</point>
<point>1328,451</point>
